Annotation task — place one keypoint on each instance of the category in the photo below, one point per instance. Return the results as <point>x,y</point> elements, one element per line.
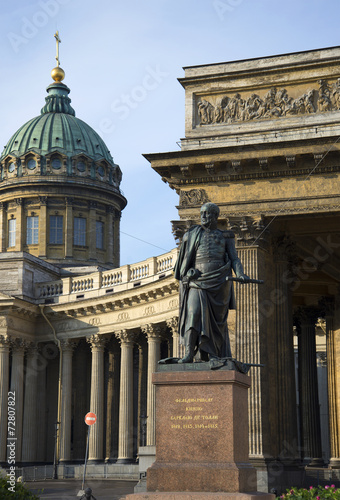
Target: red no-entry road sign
<point>90,418</point>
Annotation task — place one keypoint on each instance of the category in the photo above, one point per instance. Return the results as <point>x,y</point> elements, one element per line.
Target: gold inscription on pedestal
<point>194,417</point>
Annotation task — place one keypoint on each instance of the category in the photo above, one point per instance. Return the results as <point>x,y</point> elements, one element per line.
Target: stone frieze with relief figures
<point>275,103</point>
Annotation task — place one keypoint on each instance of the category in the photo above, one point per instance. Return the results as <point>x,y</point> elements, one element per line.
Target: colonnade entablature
<point>232,165</point>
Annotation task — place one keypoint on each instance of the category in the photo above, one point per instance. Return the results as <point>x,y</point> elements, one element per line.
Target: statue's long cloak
<point>216,296</point>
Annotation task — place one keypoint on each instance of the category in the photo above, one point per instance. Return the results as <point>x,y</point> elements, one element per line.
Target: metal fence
<point>35,473</point>
<point>321,476</point>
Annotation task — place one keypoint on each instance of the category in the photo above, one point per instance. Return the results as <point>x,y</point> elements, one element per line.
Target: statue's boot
<point>190,343</point>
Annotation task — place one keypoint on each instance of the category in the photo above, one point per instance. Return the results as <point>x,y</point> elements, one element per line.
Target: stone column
<point>333,377</point>
<point>112,399</point>
<point>42,412</point>
<point>17,386</point>
<point>81,363</point>
<point>125,444</point>
<point>43,227</point>
<point>142,390</point>
<point>154,336</point>
<point>66,400</point>
<point>4,385</point>
<point>116,239</point>
<point>96,444</point>
<point>29,433</point>
<point>308,386</point>
<point>69,228</point>
<point>109,235</point>
<point>3,227</point>
<point>286,428</point>
<point>173,325</point>
<point>92,230</point>
<point>20,226</point>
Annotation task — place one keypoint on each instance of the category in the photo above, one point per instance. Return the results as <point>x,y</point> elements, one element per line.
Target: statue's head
<point>209,214</point>
<point>88,493</point>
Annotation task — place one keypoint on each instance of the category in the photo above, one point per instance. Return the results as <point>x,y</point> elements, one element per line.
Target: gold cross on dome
<point>56,36</point>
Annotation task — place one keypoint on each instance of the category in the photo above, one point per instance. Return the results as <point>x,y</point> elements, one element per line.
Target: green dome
<point>57,129</point>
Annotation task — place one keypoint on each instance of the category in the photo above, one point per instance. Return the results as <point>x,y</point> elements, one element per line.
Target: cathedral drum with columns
<point>79,333</point>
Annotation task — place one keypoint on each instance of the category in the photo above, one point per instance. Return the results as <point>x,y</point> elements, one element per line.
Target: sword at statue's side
<point>244,281</point>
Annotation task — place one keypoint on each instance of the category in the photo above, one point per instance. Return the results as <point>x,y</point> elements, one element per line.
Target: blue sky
<point>110,48</point>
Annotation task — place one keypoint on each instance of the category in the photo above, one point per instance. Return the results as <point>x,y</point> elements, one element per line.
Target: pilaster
<point>254,321</point>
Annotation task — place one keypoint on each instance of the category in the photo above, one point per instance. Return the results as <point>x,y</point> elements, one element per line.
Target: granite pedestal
<point>201,437</point>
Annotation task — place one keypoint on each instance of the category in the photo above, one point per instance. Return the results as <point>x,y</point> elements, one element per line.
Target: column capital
<point>306,315</point>
<point>5,340</point>
<point>97,341</point>
<point>67,345</point>
<point>327,306</point>
<point>69,201</point>
<point>19,345</point>
<point>43,200</point>
<point>172,323</point>
<point>19,201</point>
<point>32,348</point>
<point>153,332</point>
<point>284,249</point>
<point>126,336</point>
<point>249,231</point>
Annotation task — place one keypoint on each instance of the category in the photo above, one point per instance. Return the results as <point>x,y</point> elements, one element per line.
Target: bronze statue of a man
<point>206,260</point>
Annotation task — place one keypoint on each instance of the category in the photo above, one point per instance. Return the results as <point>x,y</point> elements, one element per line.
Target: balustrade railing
<point>81,284</point>
<point>51,289</point>
<point>107,279</point>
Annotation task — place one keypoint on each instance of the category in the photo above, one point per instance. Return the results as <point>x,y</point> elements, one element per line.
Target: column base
<point>334,463</point>
<point>174,495</point>
<point>316,462</point>
<point>95,461</point>
<point>125,461</point>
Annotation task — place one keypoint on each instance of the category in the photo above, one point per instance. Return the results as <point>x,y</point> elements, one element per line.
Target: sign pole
<point>86,454</point>
<point>90,419</point>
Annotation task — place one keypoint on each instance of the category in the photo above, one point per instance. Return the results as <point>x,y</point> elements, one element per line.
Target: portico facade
<point>261,141</point>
